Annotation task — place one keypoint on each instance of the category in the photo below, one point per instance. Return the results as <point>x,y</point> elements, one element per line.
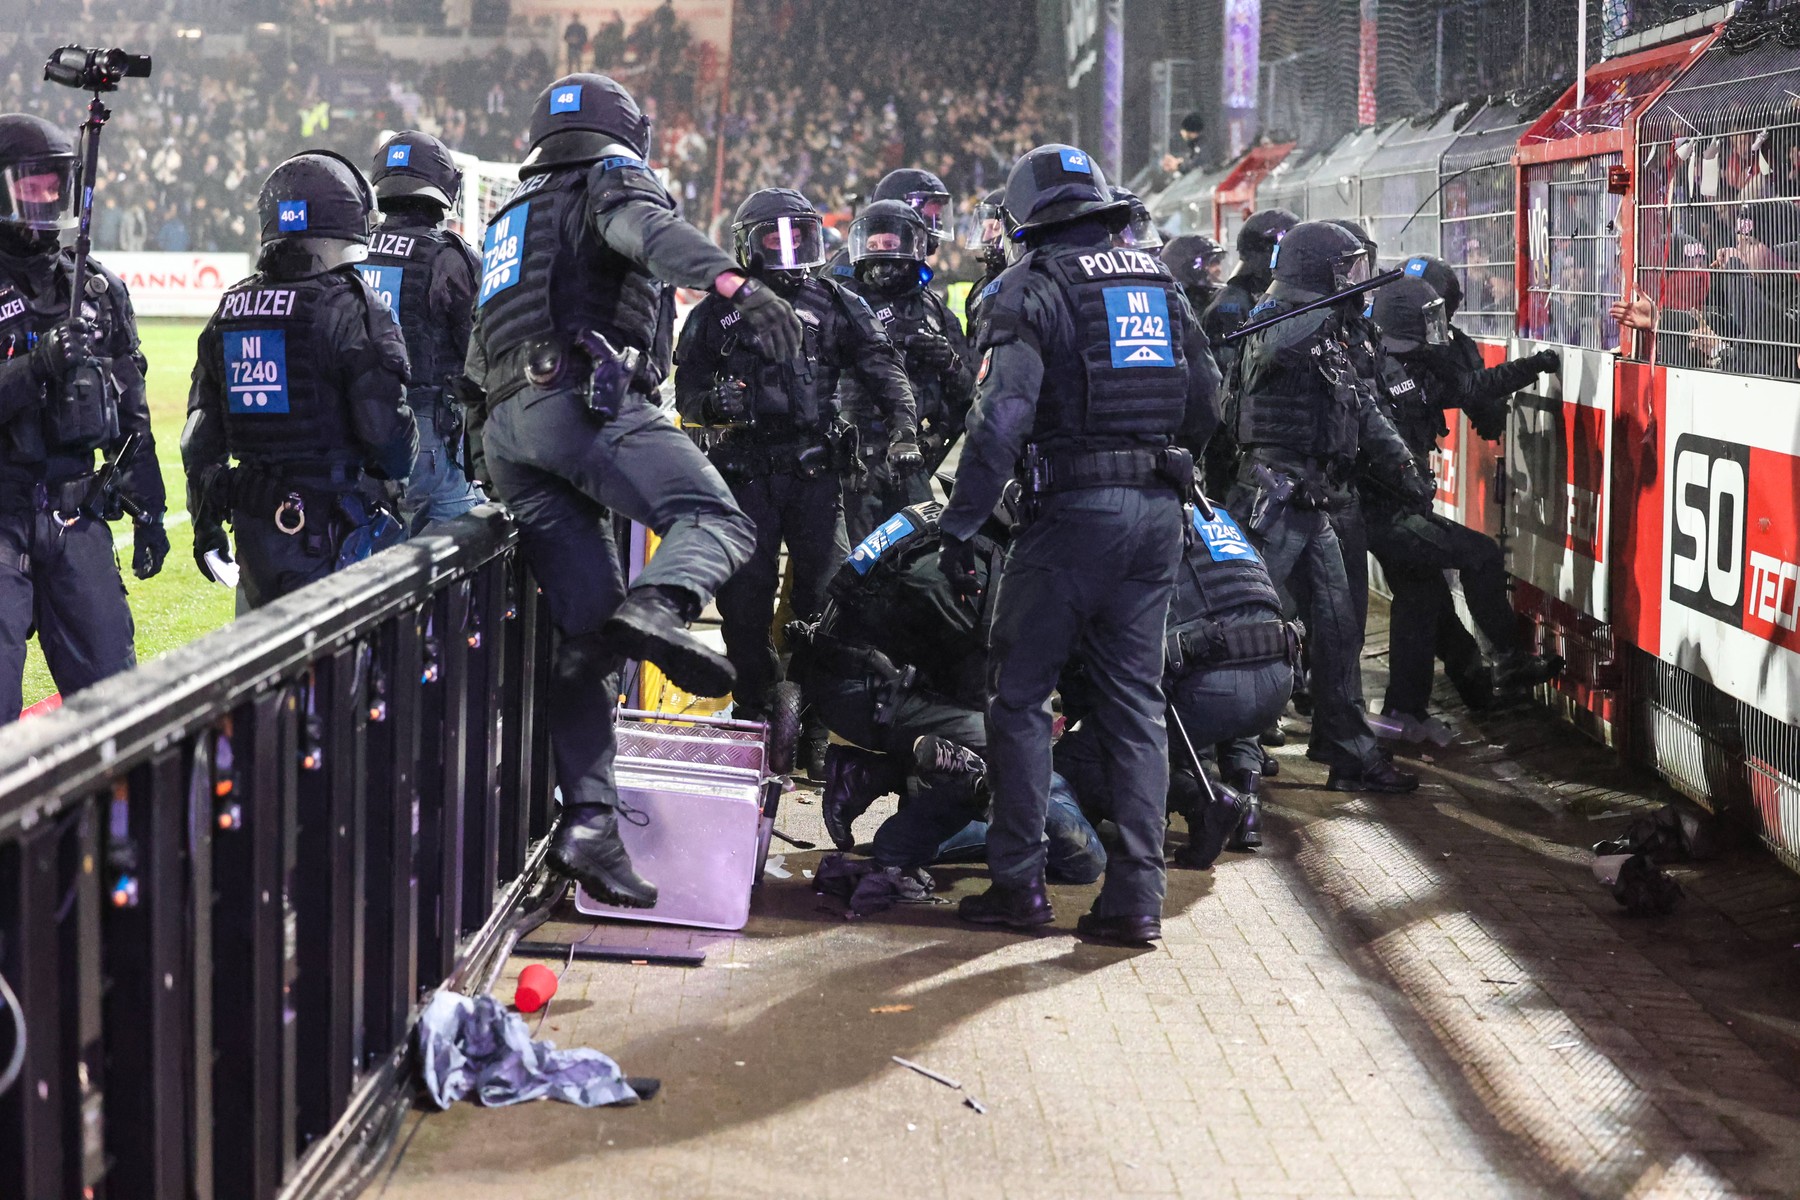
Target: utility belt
<point>328,508</point>
<point>759,450</point>
<point>1046,474</point>
<point>585,363</point>
<point>1211,644</point>
<point>1319,484</point>
<point>66,499</point>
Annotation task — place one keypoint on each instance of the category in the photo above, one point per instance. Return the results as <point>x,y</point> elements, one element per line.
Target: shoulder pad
<point>383,330</point>
<point>843,270</point>
<point>1004,320</point>
<point>854,306</point>
<point>1292,332</point>
<point>620,180</point>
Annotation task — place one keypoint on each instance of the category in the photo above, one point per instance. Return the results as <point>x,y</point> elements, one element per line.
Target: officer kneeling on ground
<point>1230,671</point>
<point>772,427</point>
<point>68,387</point>
<point>1092,371</point>
<point>301,377</point>
<point>572,335</point>
<point>1414,545</point>
<point>898,666</point>
<point>426,275</point>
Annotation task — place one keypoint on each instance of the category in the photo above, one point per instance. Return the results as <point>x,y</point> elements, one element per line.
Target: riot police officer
<point>772,424</point>
<point>888,245</point>
<point>68,386</point>
<point>1091,372</point>
<point>1229,672</point>
<point>1423,378</point>
<point>898,666</point>
<point>1198,264</point>
<point>301,377</point>
<point>426,274</point>
<point>1140,231</point>
<point>1256,242</point>
<point>572,335</point>
<point>1304,418</point>
<point>987,238</point>
<point>920,191</point>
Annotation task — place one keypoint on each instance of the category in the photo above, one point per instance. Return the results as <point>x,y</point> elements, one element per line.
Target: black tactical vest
<point>1131,367</point>
<point>1221,573</point>
<point>799,391</point>
<point>902,316</point>
<point>398,270</point>
<point>544,274</point>
<point>281,407</point>
<point>1298,387</point>
<point>82,415</point>
<point>1418,421</point>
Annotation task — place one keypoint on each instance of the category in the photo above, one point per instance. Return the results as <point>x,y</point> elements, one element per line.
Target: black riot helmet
<point>1193,258</point>
<point>1056,184</point>
<point>1356,230</point>
<point>925,194</point>
<point>411,163</point>
<point>581,119</point>
<point>1411,314</point>
<point>778,235</point>
<point>1441,276</point>
<point>1317,257</point>
<point>37,182</point>
<point>988,227</point>
<point>1140,232</point>
<point>888,246</point>
<point>1260,234</point>
<point>316,194</point>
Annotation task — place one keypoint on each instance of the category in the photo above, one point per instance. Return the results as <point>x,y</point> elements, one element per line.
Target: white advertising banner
<point>1731,536</point>
<point>175,285</point>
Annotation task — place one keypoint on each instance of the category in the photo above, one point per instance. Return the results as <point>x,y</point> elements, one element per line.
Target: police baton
<point>1367,285</point>
<point>108,482</point>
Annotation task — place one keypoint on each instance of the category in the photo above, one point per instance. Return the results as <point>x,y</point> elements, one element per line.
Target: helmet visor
<point>887,237</point>
<point>987,227</point>
<point>1359,269</point>
<point>935,207</point>
<point>787,243</point>
<point>1437,323</point>
<point>1140,233</point>
<point>39,193</point>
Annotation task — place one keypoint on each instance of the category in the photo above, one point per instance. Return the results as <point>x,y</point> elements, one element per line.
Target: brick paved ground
<point>1406,996</point>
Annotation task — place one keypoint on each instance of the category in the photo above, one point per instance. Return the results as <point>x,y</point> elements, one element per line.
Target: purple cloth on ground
<point>475,1047</point>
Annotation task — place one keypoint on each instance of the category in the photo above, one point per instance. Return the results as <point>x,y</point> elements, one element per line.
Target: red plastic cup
<point>537,983</point>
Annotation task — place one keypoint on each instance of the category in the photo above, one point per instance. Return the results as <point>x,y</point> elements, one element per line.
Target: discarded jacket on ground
<point>473,1047</point>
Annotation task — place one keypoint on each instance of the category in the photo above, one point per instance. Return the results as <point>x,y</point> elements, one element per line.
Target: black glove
<point>903,451</point>
<point>1418,490</point>
<point>730,399</point>
<point>931,350</point>
<point>771,318</point>
<point>1489,420</point>
<point>149,546</point>
<point>208,535</point>
<point>60,351</point>
<point>1548,362</point>
<point>956,559</point>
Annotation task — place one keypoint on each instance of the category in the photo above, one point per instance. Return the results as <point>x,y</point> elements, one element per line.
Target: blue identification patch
<point>621,160</point>
<point>1137,324</point>
<point>385,283</point>
<point>1415,267</point>
<point>1075,162</point>
<point>399,156</point>
<point>290,216</point>
<point>566,99</point>
<point>1224,540</point>
<point>256,377</point>
<point>868,552</point>
<point>502,250</point>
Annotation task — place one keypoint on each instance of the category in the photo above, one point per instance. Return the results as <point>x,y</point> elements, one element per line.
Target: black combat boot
<point>1017,906</point>
<point>1521,672</point>
<point>854,779</point>
<point>1248,834</point>
<point>1135,930</point>
<point>1213,820</point>
<point>1474,685</point>
<point>587,849</point>
<point>812,757</point>
<point>651,625</point>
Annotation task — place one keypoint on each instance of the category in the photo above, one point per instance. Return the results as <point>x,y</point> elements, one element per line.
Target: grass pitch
<point>179,604</point>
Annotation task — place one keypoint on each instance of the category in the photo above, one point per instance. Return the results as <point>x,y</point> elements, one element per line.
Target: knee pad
<point>861,776</point>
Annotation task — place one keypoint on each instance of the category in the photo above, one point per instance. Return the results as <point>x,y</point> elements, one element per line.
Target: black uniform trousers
<point>1414,551</point>
<point>61,580</point>
<point>1090,576</point>
<point>808,515</point>
<point>878,495</point>
<point>563,475</point>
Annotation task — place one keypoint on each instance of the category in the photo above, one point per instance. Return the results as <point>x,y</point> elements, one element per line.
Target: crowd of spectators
<point>823,97</point>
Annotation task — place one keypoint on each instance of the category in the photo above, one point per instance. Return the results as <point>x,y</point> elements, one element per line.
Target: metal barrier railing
<point>226,876</point>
